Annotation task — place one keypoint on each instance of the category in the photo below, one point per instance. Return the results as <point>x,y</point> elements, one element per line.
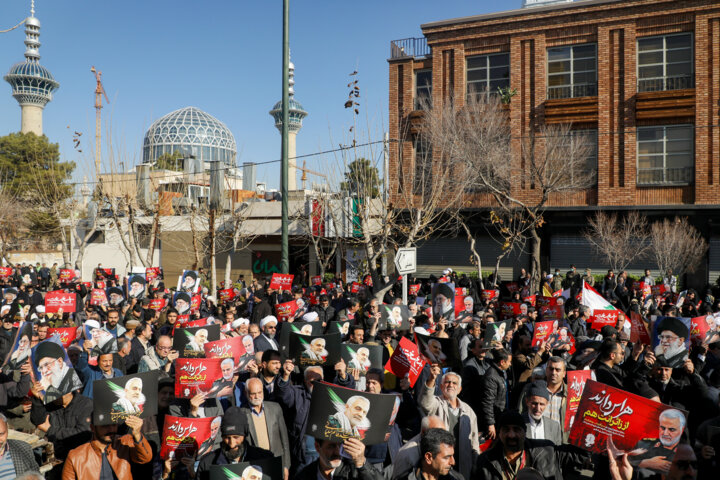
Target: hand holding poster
<point>394,317</point>
<point>337,413</point>
<point>552,312</point>
<point>414,289</point>
<point>157,303</point>
<point>406,361</point>
<point>58,299</point>
<point>671,340</point>
<point>436,350</point>
<point>509,310</point>
<point>704,330</point>
<point>151,273</point>
<point>53,369</point>
<point>211,376</point>
<point>281,281</point>
<point>638,330</point>
<point>20,352</point>
<point>66,275</point>
<point>98,297</point>
<point>115,399</point>
<point>184,437</point>
<point>495,333</point>
<point>636,424</point>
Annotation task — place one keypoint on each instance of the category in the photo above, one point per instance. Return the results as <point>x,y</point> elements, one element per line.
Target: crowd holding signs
<point>308,379</point>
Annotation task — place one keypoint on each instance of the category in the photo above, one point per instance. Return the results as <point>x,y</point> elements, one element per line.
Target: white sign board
<point>406,260</point>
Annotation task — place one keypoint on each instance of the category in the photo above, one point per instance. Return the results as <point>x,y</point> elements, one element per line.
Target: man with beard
<point>360,361</point>
<point>57,378</point>
<point>111,324</point>
<point>266,341</point>
<point>182,303</point>
<point>659,451</point>
<point>466,315</point>
<point>198,341</point>
<point>315,352</point>
<point>107,455</point>
<point>189,281</point>
<point>115,297</point>
<point>443,297</point>
<point>433,351</point>
<point>514,452</point>
<point>208,445</point>
<point>132,400</point>
<point>223,387</point>
<point>672,333</point>
<point>348,421</point>
<point>540,427</point>
<point>330,464</point>
<point>233,448</point>
<point>266,425</point>
<point>136,287</point>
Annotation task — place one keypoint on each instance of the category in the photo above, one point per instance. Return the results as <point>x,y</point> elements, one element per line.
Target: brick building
<point>641,78</point>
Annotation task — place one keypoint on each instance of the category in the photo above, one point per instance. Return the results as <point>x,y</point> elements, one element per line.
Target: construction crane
<point>99,93</point>
<point>306,171</point>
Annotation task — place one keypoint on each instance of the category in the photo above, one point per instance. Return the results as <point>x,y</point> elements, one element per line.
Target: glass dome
<point>190,131</point>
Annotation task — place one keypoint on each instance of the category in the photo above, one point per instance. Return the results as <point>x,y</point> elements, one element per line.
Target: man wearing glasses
<point>160,357</point>
<point>266,341</point>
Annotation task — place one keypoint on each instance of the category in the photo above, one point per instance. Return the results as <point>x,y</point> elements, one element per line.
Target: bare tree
<point>13,222</point>
<point>676,246</point>
<point>619,241</point>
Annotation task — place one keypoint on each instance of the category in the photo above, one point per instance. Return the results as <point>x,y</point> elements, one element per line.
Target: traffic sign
<point>406,260</point>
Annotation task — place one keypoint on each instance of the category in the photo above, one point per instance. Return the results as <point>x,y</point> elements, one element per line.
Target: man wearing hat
<point>515,451</point>
<point>233,448</point>
<point>672,333</point>
<point>539,426</point>
<point>55,376</point>
<point>266,340</point>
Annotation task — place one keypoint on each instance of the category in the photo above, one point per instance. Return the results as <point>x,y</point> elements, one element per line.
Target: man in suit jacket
<point>539,426</point>
<point>267,428</point>
<point>266,340</point>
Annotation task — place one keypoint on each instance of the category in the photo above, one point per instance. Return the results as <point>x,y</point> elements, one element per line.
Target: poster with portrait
<point>360,358</point>
<point>671,339</point>
<point>309,350</point>
<point>638,330</point>
<point>203,375</point>
<point>281,281</point>
<point>495,333</point>
<point>57,300</point>
<point>575,381</point>
<point>286,310</point>
<point>552,312</point>
<point>241,349</point>
<point>100,340</point>
<point>115,296</point>
<point>136,286</point>
<point>265,469</point>
<point>67,335</point>
<point>302,328</point>
<point>337,413</point>
<point>189,282</point>
<point>343,328</point>
<point>20,352</point>
<point>436,350</point>
<point>53,369</point>
<point>115,399</point>
<point>184,437</point>
<point>182,301</point>
<point>190,342</point>
<point>542,332</point>
<point>443,300</point>
<point>394,317</point>
<point>98,297</point>
<point>406,361</point>
<point>104,273</point>
<point>704,330</point>
<point>636,424</point>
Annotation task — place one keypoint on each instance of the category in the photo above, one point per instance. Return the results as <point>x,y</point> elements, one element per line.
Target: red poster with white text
<point>406,361</point>
<point>414,289</point>
<point>231,347</point>
<point>542,331</point>
<point>226,295</point>
<point>66,335</point>
<point>197,375</point>
<point>58,299</point>
<point>316,280</point>
<point>98,297</point>
<point>157,303</point>
<point>638,330</point>
<point>602,318</point>
<point>554,312</point>
<point>184,437</point>
<point>281,281</point>
<point>633,422</point>
<point>546,301</point>
<point>576,380</point>
<point>509,310</point>
<point>283,311</point>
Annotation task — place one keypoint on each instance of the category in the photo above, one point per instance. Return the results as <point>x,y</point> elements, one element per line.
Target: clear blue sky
<point>221,56</point>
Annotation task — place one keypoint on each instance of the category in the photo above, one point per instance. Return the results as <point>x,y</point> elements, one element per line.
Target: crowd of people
<point>497,412</point>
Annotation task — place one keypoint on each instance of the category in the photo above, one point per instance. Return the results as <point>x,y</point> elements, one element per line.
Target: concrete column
<point>31,119</point>
<point>292,165</point>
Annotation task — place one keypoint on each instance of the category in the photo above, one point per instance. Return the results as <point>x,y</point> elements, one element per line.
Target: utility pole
<point>284,248</point>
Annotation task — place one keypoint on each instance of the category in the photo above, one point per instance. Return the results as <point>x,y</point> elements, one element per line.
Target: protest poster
<point>512,287</point>
<point>115,296</point>
<point>303,328</point>
<point>638,329</point>
<point>633,422</point>
<point>316,280</point>
<point>100,340</point>
<point>531,300</point>
<point>189,282</point>
<point>5,272</point>
<point>658,289</point>
<point>337,413</point>
<point>575,381</point>
<point>443,300</point>
<point>115,399</point>
<point>309,350</point>
<point>489,294</point>
<point>343,328</point>
<point>57,300</point>
<point>231,347</point>
<point>190,341</point>
<point>367,280</point>
<point>360,358</point>
<point>136,286</point>
<point>494,333</point>
<point>280,281</point>
<point>182,302</point>
<point>561,339</point>
<point>546,302</point>
<point>406,361</point>
<point>151,273</point>
<point>510,310</point>
<point>266,469</point>
<point>354,287</point>
<point>542,332</point>
<point>602,318</point>
<point>98,297</point>
<point>552,312</point>
<point>226,295</point>
<point>195,302</point>
<point>53,369</point>
<point>671,340</point>
<point>414,289</point>
<point>66,335</point>
<point>436,350</point>
<point>704,330</point>
<point>203,375</point>
<point>286,310</point>
<point>20,351</point>
<point>157,303</point>
<point>104,273</point>
<point>66,275</point>
<point>184,437</point>
<point>394,317</point>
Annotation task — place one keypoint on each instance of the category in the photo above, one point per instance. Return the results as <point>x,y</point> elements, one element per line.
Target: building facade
<point>639,78</point>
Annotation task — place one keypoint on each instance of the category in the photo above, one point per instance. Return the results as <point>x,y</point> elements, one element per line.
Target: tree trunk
<point>196,248</point>
<point>536,270</point>
<point>153,237</point>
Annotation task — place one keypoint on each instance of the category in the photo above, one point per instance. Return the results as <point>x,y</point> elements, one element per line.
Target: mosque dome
<point>192,132</point>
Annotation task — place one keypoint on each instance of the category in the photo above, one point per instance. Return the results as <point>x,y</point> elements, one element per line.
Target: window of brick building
<point>589,139</point>
<point>665,154</point>
<point>423,165</point>
<point>572,71</point>
<point>487,73</point>
<point>423,89</point>
<point>665,63</point>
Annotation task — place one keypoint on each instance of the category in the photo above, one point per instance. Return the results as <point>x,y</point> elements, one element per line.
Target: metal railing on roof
<point>409,47</point>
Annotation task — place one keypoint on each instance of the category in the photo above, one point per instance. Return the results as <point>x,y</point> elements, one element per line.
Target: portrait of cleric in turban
<point>53,369</point>
<point>671,341</point>
<point>189,282</point>
<point>136,287</point>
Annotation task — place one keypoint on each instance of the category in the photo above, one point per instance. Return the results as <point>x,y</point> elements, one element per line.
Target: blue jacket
<point>89,373</point>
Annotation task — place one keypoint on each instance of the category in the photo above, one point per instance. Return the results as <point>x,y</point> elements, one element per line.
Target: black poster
<point>309,350</point>
<point>304,328</point>
<point>494,333</point>
<point>20,352</point>
<point>337,413</point>
<point>361,357</point>
<point>443,351</point>
<point>265,469</point>
<point>115,399</point>
<point>343,328</point>
<point>394,317</point>
<point>190,342</point>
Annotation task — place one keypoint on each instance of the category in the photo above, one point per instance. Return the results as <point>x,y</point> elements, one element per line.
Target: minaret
<point>32,84</point>
<point>296,115</point>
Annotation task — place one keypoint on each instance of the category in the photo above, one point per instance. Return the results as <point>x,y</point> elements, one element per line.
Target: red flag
<point>406,361</point>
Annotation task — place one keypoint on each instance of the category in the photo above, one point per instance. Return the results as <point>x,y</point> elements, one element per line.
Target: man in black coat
<point>494,391</point>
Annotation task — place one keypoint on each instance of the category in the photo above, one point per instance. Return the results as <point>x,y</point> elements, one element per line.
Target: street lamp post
<point>284,253</point>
